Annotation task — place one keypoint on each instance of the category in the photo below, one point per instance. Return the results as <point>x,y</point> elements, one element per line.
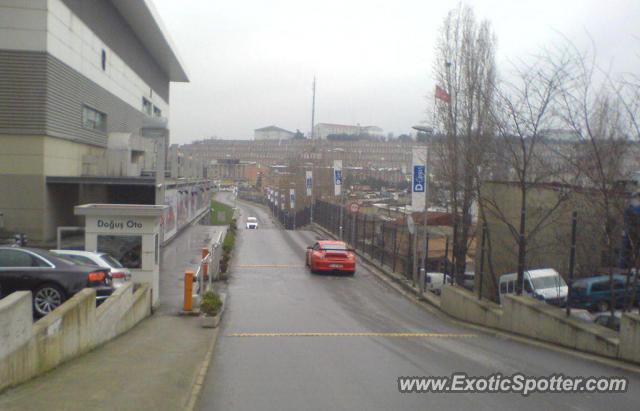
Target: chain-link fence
<point>385,240</point>
<point>291,219</point>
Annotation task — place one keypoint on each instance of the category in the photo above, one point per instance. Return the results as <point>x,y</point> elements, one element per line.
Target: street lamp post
<point>428,131</point>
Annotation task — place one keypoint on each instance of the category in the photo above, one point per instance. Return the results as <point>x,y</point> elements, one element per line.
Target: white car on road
<point>119,274</point>
<point>252,223</point>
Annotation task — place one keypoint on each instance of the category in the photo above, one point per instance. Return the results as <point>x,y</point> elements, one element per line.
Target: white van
<point>544,284</point>
<point>435,281</point>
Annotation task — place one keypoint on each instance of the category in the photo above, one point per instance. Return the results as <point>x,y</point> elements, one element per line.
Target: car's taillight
<point>97,277</point>
<point>118,275</point>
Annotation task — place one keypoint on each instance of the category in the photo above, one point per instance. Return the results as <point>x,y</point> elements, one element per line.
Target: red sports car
<point>331,256</point>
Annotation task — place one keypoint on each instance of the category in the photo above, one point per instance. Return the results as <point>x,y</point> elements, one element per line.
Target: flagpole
<point>433,124</point>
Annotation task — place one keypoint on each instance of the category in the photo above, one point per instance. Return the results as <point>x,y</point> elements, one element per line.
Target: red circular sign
<point>354,207</point>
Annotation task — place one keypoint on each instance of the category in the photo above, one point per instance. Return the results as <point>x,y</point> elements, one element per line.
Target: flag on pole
<point>309,181</point>
<point>442,95</point>
<point>337,177</point>
<point>419,179</point>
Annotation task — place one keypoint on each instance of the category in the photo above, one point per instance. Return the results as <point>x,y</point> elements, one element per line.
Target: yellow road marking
<point>356,334</point>
<point>268,266</point>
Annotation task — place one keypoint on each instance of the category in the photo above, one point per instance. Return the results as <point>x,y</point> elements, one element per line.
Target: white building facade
<point>272,133</point>
<point>322,130</point>
<point>75,74</point>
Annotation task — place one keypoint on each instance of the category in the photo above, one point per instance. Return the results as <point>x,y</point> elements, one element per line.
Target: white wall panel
<point>72,42</point>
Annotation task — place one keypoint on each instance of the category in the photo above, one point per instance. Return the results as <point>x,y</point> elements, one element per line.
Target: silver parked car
<point>119,274</point>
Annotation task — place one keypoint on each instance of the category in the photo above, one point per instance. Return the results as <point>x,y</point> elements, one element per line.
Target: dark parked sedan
<point>51,279</point>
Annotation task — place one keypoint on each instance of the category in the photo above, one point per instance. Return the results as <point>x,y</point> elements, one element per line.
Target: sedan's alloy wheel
<point>47,299</point>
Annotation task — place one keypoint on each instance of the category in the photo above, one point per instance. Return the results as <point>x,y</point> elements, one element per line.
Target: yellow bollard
<point>188,291</point>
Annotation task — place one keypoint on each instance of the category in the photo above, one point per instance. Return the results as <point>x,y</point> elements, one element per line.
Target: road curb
<point>196,388</point>
<point>410,294</point>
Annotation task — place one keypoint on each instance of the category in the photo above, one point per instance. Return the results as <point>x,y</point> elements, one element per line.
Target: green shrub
<point>210,304</point>
<point>217,207</point>
<point>229,242</point>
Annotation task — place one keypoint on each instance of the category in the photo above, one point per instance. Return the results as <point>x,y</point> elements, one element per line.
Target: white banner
<point>276,197</point>
<point>292,198</point>
<point>282,198</point>
<point>309,183</point>
<point>337,177</point>
<point>419,178</point>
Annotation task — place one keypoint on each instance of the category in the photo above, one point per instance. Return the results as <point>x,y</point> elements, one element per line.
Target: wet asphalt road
<point>270,291</point>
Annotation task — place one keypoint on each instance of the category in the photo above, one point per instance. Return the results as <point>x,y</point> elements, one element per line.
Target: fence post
<point>395,246</point>
<point>364,234</point>
<point>354,240</point>
<point>572,259</point>
<point>414,264</point>
<point>446,261</point>
<point>408,262</point>
<point>382,248</point>
<point>373,239</point>
<point>482,251</point>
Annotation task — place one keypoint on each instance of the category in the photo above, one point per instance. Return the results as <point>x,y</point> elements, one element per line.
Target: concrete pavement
<point>276,302</point>
<point>153,366</point>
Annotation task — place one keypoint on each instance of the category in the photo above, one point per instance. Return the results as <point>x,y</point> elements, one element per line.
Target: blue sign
<point>338,177</point>
<point>419,181</point>
<point>309,182</point>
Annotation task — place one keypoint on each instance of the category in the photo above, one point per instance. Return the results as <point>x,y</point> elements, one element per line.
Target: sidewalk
<point>153,366</point>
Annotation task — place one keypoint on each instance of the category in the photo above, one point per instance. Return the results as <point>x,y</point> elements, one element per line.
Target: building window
<point>157,112</point>
<point>93,119</point>
<point>104,60</point>
<point>125,248</point>
<point>147,107</point>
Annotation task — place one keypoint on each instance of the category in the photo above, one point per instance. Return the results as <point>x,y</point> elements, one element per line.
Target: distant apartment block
<point>84,91</point>
<point>322,130</point>
<point>272,133</point>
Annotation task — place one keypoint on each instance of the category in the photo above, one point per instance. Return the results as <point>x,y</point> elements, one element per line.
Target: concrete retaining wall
<point>73,329</point>
<point>535,319</point>
<point>461,304</point>
<point>630,337</point>
<point>16,321</point>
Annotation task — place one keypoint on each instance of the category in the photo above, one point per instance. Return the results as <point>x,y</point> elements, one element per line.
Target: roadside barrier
<point>207,272</point>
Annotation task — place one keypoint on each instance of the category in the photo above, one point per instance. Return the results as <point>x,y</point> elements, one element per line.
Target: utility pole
<point>313,107</point>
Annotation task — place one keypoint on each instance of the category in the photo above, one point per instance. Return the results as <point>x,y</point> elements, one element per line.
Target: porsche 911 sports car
<point>331,256</point>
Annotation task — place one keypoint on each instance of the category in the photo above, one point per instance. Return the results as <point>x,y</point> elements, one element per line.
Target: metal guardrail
<point>207,272</point>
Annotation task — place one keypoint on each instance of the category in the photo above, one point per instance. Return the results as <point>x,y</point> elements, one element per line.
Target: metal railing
<point>207,272</point>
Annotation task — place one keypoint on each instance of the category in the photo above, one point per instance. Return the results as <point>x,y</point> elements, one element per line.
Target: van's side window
<point>503,288</point>
<point>618,285</point>
<point>599,287</point>
<point>510,286</point>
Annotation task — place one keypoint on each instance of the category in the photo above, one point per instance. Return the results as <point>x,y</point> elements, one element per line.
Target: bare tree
<point>526,107</point>
<point>628,93</point>
<point>595,115</point>
<point>465,69</point>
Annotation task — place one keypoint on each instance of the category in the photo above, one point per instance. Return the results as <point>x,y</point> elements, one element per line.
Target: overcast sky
<point>251,62</point>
